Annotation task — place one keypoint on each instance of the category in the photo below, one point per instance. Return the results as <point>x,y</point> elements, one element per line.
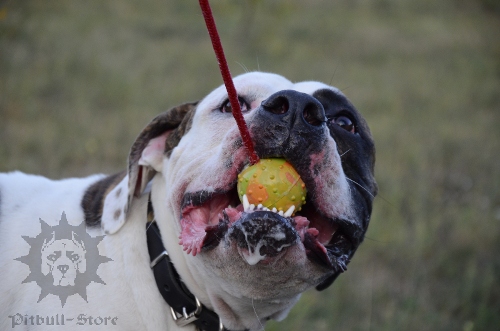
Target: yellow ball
<point>273,183</point>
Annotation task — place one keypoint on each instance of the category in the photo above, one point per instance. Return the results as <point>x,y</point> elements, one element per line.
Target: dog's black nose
<point>289,124</point>
<point>297,105</point>
<point>63,268</point>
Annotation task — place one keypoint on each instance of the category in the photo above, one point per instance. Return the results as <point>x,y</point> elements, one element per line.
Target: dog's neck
<point>235,310</point>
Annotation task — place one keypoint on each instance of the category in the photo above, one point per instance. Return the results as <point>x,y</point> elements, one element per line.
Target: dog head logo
<point>63,260</point>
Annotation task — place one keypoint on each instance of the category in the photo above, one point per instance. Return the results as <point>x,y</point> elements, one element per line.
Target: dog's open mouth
<point>261,234</point>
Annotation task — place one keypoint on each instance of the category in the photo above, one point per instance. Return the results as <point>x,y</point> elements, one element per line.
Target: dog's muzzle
<point>289,125</point>
<point>262,234</point>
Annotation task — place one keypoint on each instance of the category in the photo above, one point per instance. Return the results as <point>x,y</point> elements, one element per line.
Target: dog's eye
<point>72,256</point>
<point>345,123</point>
<point>53,257</point>
<point>227,108</point>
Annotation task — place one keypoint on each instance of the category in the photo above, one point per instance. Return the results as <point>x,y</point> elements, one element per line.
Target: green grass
<point>79,80</point>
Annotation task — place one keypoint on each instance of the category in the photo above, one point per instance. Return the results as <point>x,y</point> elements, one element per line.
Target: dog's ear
<point>146,157</point>
<point>45,266</point>
<point>81,263</point>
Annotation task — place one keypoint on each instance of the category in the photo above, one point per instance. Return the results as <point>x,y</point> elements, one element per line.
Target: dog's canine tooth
<point>280,212</point>
<point>246,204</point>
<point>275,210</point>
<point>252,207</point>
<point>289,212</point>
<point>259,206</point>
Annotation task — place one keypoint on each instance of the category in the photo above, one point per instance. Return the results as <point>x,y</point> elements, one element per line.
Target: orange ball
<point>272,183</point>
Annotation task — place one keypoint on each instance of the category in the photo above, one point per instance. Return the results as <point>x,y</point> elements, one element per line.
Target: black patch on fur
<point>93,199</point>
<point>357,152</point>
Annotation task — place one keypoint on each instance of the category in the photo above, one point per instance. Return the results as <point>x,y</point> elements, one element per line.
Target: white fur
<point>130,293</point>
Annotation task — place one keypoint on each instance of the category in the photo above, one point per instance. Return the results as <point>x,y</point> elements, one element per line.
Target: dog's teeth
<point>266,209</point>
<point>281,212</point>
<point>289,212</point>
<point>246,204</point>
<point>275,210</point>
<point>252,207</point>
<point>229,206</point>
<point>259,206</point>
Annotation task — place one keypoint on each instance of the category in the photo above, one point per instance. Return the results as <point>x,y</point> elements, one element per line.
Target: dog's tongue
<point>204,226</point>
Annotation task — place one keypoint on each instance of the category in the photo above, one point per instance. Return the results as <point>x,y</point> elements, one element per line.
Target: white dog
<point>242,264</point>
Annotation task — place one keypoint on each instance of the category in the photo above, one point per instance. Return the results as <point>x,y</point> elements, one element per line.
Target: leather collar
<point>184,306</point>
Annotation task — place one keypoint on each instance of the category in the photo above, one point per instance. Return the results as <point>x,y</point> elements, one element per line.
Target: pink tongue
<point>301,224</point>
<point>193,224</point>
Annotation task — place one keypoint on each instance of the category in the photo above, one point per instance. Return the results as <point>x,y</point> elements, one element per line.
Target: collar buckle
<point>185,318</point>
<point>158,259</point>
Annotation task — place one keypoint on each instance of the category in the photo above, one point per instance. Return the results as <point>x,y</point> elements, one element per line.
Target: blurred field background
<point>80,79</point>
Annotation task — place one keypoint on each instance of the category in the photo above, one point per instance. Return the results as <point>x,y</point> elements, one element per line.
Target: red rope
<point>228,81</point>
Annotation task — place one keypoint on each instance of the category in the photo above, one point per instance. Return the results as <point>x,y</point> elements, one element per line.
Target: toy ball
<point>272,184</point>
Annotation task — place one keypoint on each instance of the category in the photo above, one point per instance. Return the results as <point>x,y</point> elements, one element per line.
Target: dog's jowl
<point>225,262</point>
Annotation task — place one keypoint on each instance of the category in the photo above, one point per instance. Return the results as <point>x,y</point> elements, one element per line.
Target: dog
<point>183,169</point>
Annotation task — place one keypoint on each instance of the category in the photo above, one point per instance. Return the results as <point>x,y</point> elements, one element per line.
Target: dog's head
<point>196,153</point>
<point>63,259</point>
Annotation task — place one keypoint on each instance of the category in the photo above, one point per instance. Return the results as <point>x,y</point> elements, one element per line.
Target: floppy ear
<point>146,157</point>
